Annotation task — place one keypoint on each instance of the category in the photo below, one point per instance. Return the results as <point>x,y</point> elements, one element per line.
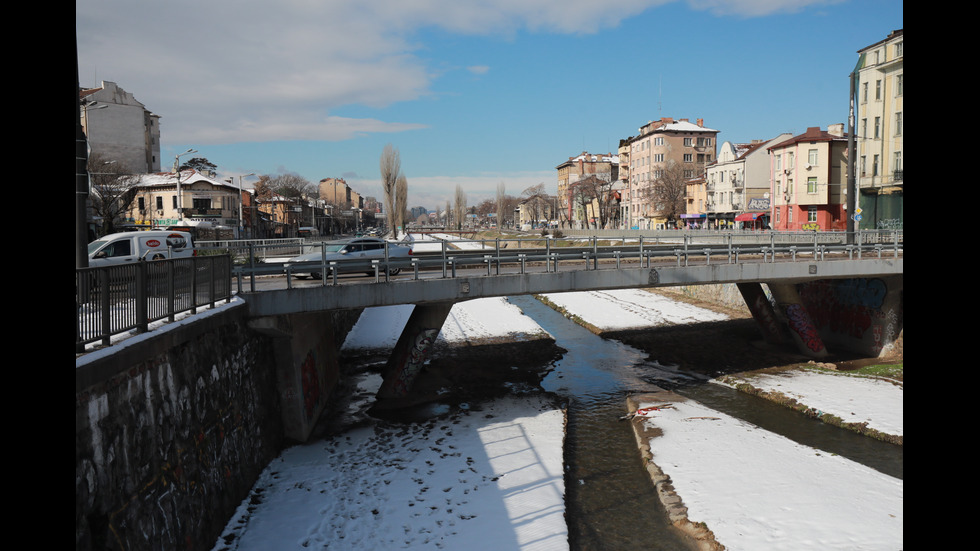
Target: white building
<point>738,184</point>
<point>121,129</point>
<point>879,133</point>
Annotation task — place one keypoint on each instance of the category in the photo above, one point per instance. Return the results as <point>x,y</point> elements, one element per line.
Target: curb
<point>702,536</point>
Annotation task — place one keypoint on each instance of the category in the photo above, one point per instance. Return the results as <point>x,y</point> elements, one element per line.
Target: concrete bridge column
<point>307,370</point>
<point>801,327</point>
<point>773,330</point>
<point>413,349</point>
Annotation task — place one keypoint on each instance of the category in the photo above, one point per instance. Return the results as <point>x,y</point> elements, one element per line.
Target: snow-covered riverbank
<point>492,479</point>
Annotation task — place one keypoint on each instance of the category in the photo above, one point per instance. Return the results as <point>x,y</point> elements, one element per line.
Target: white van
<point>120,248</point>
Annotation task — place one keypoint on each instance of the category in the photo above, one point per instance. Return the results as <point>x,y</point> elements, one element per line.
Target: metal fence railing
<point>111,300</point>
<point>449,255</point>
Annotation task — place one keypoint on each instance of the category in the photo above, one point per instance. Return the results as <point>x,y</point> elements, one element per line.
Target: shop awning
<point>749,216</point>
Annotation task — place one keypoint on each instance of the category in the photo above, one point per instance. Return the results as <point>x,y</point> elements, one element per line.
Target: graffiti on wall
<point>801,325</point>
<point>413,361</point>
<point>851,308</point>
<point>312,390</point>
<point>172,443</point>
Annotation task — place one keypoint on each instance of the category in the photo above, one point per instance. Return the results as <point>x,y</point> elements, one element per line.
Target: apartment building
<point>585,185</point>
<point>879,132</point>
<point>808,177</point>
<point>661,157</point>
<point>120,129</point>
<point>738,185</point>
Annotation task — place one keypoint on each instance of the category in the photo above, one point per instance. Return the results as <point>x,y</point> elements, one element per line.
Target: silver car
<point>344,251</point>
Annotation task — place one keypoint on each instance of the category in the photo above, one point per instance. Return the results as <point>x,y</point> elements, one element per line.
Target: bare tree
<point>112,191</point>
<point>536,200</point>
<point>290,186</point>
<point>391,166</point>
<point>594,193</point>
<point>401,201</point>
<point>501,193</point>
<point>459,207</point>
<point>668,192</point>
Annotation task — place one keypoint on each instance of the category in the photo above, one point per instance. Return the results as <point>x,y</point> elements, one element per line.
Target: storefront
<point>692,221</point>
<point>753,220</point>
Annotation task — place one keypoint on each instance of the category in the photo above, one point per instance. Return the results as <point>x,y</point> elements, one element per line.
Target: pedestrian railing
<point>111,300</point>
<point>449,256</point>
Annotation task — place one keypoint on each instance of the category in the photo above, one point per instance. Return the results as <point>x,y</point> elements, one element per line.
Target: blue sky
<point>474,93</point>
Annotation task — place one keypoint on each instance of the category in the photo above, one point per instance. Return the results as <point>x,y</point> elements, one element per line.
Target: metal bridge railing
<point>596,252</point>
<point>111,300</point>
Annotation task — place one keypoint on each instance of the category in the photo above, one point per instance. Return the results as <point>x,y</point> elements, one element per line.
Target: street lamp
<point>180,198</point>
<point>241,219</point>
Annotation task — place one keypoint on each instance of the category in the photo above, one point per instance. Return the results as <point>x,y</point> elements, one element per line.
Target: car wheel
<point>394,271</point>
<point>316,275</point>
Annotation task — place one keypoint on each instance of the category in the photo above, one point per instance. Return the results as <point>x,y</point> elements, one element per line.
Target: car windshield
<point>94,246</point>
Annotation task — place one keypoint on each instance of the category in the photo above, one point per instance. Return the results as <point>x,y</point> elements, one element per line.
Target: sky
<point>474,94</point>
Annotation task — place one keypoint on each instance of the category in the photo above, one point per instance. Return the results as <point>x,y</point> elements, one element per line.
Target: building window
<point>898,84</point>
<point>658,157</point>
<point>811,184</point>
<point>898,123</point>
<point>811,157</point>
<point>688,158</point>
<point>900,49</point>
<point>659,140</point>
<point>877,127</point>
<point>878,90</point>
<point>174,201</point>
<point>142,204</point>
<point>790,160</point>
<point>811,214</point>
<point>688,142</point>
<point>864,92</point>
<point>159,203</point>
<point>874,166</point>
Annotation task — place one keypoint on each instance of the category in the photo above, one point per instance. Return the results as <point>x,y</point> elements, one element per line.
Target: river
<point>606,485</point>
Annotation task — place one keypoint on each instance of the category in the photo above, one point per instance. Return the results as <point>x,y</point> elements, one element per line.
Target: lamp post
<point>241,194</point>
<point>180,198</point>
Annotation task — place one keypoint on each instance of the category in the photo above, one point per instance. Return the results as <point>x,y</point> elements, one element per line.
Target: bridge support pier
<point>773,330</point>
<point>802,330</point>
<point>412,349</point>
<point>307,368</point>
<point>859,315</point>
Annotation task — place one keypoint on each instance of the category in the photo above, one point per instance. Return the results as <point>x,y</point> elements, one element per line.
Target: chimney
<point>836,129</point>
<point>701,123</point>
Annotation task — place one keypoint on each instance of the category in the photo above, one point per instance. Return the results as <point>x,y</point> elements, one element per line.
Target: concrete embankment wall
<point>172,431</point>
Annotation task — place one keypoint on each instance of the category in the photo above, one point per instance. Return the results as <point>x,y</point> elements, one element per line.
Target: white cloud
<point>248,70</point>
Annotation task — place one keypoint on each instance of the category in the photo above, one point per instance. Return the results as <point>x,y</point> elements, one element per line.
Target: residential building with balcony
<point>879,132</point>
<point>585,185</point>
<point>738,185</point>
<point>808,177</point>
<point>186,199</point>
<point>666,152</point>
<point>120,129</point>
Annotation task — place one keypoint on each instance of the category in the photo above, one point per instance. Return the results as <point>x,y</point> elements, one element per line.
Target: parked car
<point>365,249</point>
<point>121,248</point>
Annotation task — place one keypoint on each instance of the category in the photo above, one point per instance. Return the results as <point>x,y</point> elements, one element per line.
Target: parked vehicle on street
<point>122,248</point>
<point>344,251</point>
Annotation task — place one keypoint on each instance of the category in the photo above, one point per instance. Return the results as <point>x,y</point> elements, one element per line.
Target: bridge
<point>790,266</point>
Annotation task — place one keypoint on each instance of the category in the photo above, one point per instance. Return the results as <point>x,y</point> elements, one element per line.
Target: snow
<point>468,321</point>
<point>629,309</point>
<point>492,479</point>
<point>876,402</point>
<point>758,490</point>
